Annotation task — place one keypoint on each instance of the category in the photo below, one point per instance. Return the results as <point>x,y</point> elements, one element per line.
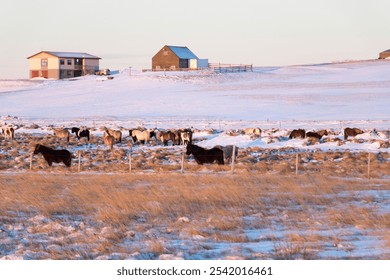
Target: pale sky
<point>128,33</point>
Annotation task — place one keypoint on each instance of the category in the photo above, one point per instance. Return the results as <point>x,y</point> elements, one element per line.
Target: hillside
<point>344,91</point>
<point>286,199</point>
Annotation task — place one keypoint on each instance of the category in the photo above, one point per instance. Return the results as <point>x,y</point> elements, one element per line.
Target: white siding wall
<point>34,63</point>
<point>53,63</point>
<point>193,63</point>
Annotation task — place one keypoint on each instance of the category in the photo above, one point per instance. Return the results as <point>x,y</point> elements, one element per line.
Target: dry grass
<point>216,207</point>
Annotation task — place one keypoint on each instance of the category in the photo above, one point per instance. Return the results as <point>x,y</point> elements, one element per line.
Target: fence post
<point>31,158</point>
<point>233,159</point>
<point>79,167</point>
<point>296,164</point>
<point>182,162</point>
<point>369,165</point>
<point>130,160</point>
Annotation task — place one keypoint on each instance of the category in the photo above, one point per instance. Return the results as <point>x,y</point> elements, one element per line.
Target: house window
<point>44,62</point>
<point>69,62</point>
<point>62,62</point>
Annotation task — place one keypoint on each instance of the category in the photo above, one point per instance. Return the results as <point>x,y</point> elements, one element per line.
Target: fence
<point>230,68</point>
<point>215,67</point>
<point>361,164</point>
<point>130,160</point>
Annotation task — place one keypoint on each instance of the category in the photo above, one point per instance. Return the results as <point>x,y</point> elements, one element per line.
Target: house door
<point>78,73</point>
<point>45,74</point>
<point>183,63</point>
<point>34,74</point>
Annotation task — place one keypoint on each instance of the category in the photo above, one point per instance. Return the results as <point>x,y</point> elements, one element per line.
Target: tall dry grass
<point>211,207</point>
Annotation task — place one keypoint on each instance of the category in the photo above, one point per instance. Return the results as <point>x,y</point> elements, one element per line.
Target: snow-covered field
<point>331,92</point>
<point>217,107</point>
<point>313,97</point>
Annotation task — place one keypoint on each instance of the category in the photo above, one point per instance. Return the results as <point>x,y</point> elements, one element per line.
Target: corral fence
<point>79,157</point>
<point>174,69</point>
<point>130,163</point>
<point>230,68</point>
<point>214,67</point>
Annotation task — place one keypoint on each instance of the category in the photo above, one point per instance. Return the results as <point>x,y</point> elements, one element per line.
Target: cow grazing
<point>81,133</point>
<point>351,132</point>
<point>228,152</point>
<point>52,155</point>
<point>297,133</point>
<point>202,155</point>
<point>62,133</point>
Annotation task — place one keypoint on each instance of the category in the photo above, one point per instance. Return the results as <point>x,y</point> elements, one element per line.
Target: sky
<point>127,33</point>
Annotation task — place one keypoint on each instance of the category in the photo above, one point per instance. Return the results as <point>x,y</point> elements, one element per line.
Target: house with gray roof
<point>176,58</point>
<point>62,65</point>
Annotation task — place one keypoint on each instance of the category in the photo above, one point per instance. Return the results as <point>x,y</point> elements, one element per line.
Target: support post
<point>369,166</point>
<point>233,159</point>
<point>79,166</point>
<point>31,159</point>
<point>130,161</point>
<point>182,162</point>
<point>296,164</point>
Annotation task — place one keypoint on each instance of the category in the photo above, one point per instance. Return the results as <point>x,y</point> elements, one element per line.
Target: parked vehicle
<point>103,72</point>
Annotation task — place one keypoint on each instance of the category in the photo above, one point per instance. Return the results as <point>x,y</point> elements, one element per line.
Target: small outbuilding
<point>384,54</point>
<point>62,65</point>
<point>177,58</point>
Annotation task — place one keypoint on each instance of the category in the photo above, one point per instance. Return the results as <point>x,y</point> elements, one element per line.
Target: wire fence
<point>359,164</point>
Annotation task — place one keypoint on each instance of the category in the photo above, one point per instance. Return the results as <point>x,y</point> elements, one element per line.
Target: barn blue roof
<point>183,52</point>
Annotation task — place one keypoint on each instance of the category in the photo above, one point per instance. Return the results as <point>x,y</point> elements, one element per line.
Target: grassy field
<point>193,216</point>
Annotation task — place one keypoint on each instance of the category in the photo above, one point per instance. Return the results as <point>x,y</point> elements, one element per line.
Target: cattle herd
<point>218,154</point>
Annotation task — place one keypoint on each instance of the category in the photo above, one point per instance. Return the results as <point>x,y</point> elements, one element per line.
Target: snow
<point>324,96</point>
<point>350,91</point>
<point>276,99</point>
